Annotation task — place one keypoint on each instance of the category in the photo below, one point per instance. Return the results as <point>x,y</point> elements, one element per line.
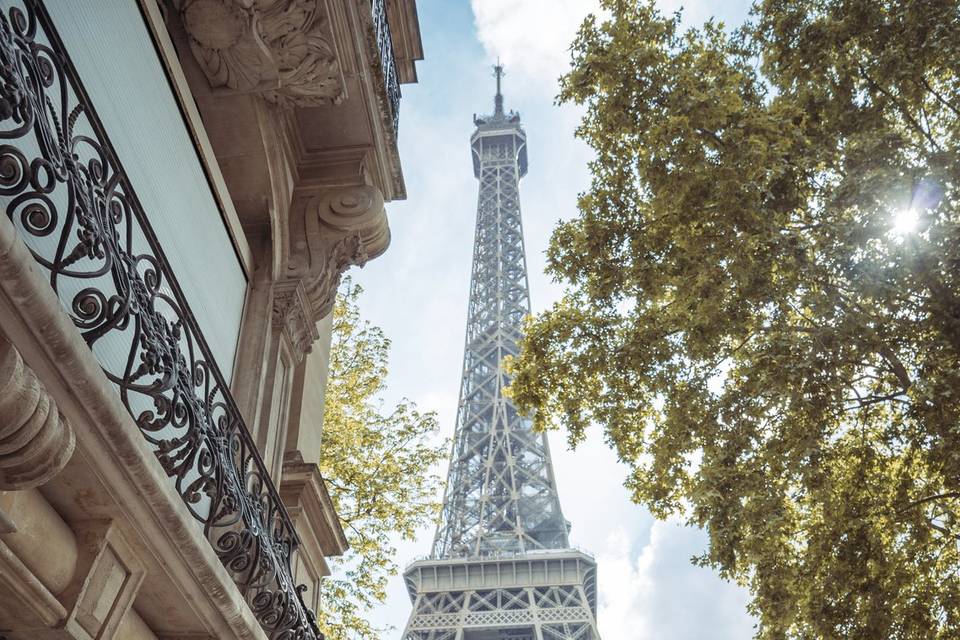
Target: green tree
<point>762,303</point>
<point>380,467</point>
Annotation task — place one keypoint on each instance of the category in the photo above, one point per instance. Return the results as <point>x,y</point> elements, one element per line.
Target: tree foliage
<point>379,466</point>
<point>762,307</point>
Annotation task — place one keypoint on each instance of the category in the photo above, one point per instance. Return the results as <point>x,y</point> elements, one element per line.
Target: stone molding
<point>304,492</point>
<point>407,44</point>
<point>108,578</point>
<point>30,603</point>
<point>343,253</point>
<point>36,441</point>
<point>330,230</point>
<point>281,49</point>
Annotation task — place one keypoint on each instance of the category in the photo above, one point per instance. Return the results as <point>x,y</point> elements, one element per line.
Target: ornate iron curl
<point>65,190</point>
<point>388,63</point>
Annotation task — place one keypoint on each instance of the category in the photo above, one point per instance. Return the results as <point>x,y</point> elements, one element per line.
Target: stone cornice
<point>304,492</point>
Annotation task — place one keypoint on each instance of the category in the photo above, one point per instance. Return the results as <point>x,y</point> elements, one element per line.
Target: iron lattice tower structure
<point>501,567</point>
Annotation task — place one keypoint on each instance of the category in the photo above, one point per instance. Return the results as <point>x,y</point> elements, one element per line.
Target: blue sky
<point>418,291</point>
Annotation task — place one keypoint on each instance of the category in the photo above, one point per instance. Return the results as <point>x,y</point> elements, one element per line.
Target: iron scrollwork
<point>68,195</point>
<point>388,64</point>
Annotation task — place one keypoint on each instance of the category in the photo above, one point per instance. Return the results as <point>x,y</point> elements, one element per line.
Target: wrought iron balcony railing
<point>66,191</point>
<point>387,61</point>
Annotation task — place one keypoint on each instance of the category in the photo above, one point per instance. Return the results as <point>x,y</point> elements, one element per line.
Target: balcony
<point>76,211</point>
<point>388,63</point>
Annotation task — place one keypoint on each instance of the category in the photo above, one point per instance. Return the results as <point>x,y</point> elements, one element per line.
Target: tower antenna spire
<point>498,99</point>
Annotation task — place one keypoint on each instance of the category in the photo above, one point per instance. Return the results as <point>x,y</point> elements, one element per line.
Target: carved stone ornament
<point>322,289</point>
<point>282,49</point>
<point>334,230</point>
<point>36,442</point>
<point>293,314</point>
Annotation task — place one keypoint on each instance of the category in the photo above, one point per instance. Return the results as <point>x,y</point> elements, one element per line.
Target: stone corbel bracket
<point>281,49</point>
<point>334,230</point>
<point>36,441</point>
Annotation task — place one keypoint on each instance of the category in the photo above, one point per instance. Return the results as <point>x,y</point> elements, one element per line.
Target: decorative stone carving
<point>292,312</point>
<point>36,442</point>
<point>360,209</point>
<point>282,49</point>
<point>334,230</point>
<point>322,289</point>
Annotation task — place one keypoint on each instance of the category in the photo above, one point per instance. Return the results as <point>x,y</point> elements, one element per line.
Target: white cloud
<point>657,593</point>
<point>531,37</point>
<point>623,588</point>
<point>694,13</point>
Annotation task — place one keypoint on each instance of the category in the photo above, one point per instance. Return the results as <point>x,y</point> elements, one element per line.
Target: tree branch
<point>903,111</point>
<point>939,98</point>
<point>938,496</point>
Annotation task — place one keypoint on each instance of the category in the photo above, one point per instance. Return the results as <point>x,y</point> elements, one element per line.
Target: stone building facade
<point>184,182</point>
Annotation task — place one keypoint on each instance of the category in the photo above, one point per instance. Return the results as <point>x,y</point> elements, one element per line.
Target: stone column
<point>305,424</point>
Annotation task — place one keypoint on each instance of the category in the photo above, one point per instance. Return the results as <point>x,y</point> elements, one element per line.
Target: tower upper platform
<point>498,128</point>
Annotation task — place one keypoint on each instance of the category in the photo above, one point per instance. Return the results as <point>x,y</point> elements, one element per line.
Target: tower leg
<point>406,630</point>
<point>537,633</point>
<point>593,621</point>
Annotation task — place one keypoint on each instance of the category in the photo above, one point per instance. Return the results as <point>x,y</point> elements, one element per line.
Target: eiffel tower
<point>501,567</point>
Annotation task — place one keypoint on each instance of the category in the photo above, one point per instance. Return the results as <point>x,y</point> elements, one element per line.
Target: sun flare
<point>905,221</point>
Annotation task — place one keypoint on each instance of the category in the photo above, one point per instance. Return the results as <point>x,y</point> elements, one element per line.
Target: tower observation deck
<point>501,566</point>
